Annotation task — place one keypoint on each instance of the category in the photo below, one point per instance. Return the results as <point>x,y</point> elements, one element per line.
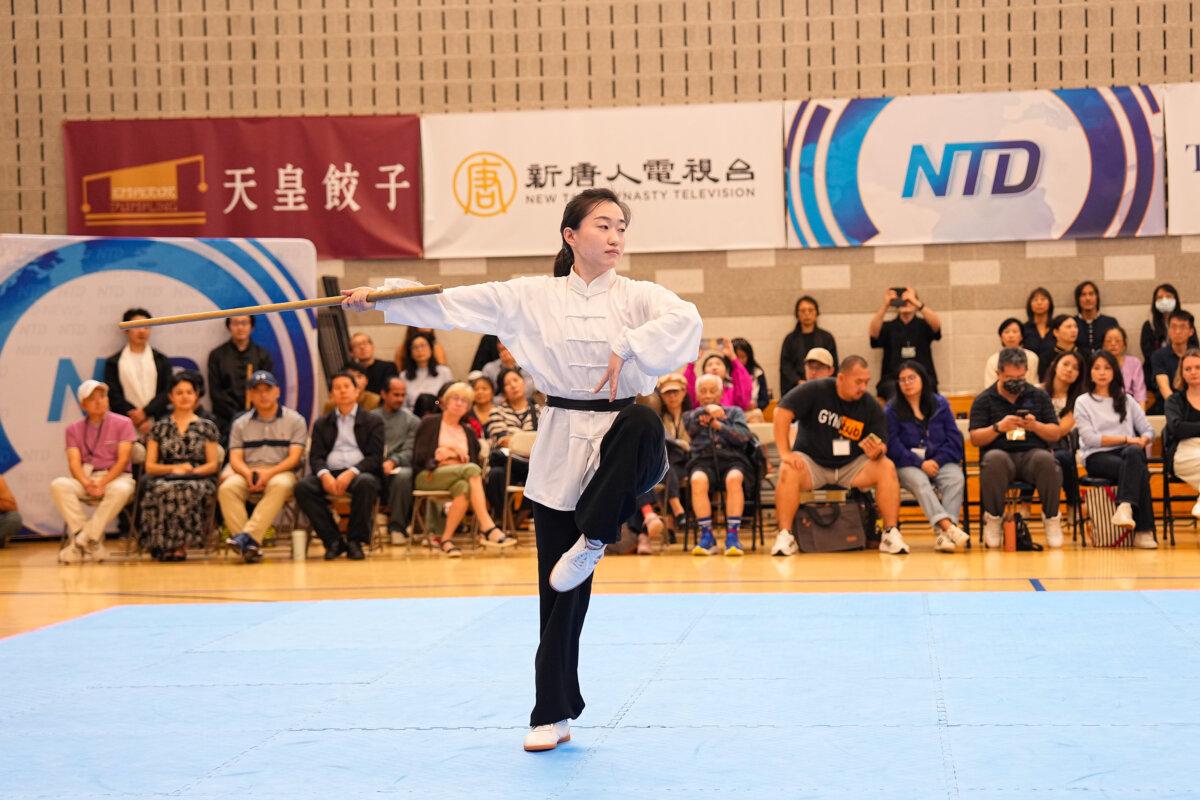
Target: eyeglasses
<point>908,379</point>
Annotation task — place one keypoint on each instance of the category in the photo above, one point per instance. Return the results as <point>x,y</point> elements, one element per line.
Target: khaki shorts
<point>842,476</point>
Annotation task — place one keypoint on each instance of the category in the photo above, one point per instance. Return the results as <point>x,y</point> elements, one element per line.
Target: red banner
<point>351,185</point>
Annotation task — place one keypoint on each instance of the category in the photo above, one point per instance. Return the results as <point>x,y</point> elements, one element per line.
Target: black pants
<point>364,489</point>
<point>1070,475</point>
<point>632,460</point>
<point>495,488</point>
<point>1127,468</point>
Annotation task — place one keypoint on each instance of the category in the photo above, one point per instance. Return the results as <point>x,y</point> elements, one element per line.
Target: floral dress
<point>176,509</point>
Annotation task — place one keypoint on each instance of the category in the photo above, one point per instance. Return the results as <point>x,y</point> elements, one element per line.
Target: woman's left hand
<point>612,376</point>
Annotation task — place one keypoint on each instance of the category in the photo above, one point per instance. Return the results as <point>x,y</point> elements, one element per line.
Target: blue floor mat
<point>986,696</point>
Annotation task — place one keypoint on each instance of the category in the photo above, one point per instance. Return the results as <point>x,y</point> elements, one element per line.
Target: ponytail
<point>563,261</point>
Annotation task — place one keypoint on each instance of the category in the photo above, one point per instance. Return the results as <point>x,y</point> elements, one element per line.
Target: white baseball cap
<point>88,387</point>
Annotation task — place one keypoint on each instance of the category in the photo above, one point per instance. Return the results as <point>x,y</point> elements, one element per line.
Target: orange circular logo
<point>485,184</point>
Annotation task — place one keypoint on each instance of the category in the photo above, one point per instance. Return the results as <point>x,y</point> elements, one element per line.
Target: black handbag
<point>830,527</point>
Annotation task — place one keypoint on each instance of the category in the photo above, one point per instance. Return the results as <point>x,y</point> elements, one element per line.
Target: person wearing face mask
<point>1013,424</point>
<point>1154,335</point>
<point>1010,336</point>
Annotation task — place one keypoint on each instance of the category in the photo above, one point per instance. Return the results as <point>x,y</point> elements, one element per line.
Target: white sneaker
<point>1054,535</point>
<point>785,544</point>
<point>547,737</point>
<point>71,554</point>
<point>575,565</point>
<point>1145,540</point>
<point>943,543</point>
<point>960,537</point>
<point>94,550</point>
<point>892,542</point>
<point>993,531</point>
<point>1123,516</point>
<point>399,537</point>
<point>1196,510</point>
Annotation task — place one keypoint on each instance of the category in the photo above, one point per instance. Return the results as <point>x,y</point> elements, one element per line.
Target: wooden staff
<point>316,302</point>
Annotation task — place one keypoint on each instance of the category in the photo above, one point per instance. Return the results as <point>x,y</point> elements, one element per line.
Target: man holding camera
<point>1013,424</point>
<point>907,336</point>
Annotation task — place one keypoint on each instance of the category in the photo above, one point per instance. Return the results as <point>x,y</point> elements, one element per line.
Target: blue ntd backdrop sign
<point>61,298</point>
<point>1073,163</point>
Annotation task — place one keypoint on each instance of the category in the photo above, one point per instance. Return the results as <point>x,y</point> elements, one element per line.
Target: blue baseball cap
<point>262,376</point>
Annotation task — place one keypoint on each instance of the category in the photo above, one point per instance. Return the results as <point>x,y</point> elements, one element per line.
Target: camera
<point>898,300</point>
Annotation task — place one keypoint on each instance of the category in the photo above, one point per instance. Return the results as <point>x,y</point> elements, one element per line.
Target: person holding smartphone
<point>908,336</point>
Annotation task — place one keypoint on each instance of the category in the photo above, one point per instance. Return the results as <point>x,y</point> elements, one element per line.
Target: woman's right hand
<point>356,299</point>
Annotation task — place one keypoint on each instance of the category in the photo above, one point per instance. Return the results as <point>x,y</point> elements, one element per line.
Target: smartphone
<point>720,341</point>
<point>898,300</point>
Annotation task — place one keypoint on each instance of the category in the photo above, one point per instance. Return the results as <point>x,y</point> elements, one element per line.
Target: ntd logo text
<point>939,178</point>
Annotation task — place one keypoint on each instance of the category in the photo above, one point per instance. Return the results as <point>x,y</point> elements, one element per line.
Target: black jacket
<point>227,379</point>
<point>795,347</point>
<point>368,433</point>
<point>116,393</point>
<point>426,443</point>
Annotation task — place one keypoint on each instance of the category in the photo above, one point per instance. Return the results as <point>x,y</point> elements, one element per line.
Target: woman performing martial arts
<point>584,329</point>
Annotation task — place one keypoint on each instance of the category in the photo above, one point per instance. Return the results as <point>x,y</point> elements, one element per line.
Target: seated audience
<point>138,376</point>
<point>346,458</point>
<point>1035,332</point>
<point>1154,337</point>
<point>1064,383</point>
<point>367,400</point>
<point>800,342</point>
<point>1132,369</point>
<point>841,440</point>
<point>1164,363</point>
<point>725,365</point>
<point>446,454</point>
<point>99,448</point>
<point>719,437</point>
<point>1010,336</point>
<point>402,357</point>
<point>483,404</point>
<point>672,393</point>
<point>516,413</point>
<point>505,361</point>
<point>1092,324</point>
<point>927,449</point>
<point>362,350</point>
<point>181,471</point>
<point>909,336</point>
<point>760,395</point>
<point>229,366</point>
<point>1064,331</point>
<point>400,434</point>
<point>10,517</point>
<point>421,371</point>
<point>266,447</point>
<point>646,523</point>
<point>1113,437</point>
<point>1181,437</point>
<point>426,404</point>
<point>487,351</point>
<point>1013,424</point>
<point>818,363</point>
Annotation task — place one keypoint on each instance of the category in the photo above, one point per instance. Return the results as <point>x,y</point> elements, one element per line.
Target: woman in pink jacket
<point>725,365</point>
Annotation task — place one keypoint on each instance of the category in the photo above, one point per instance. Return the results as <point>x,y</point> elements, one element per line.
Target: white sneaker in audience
<point>785,544</point>
<point>960,537</point>
<point>993,531</point>
<point>943,543</point>
<point>1054,534</point>
<point>71,554</point>
<point>1196,510</point>
<point>547,737</point>
<point>892,542</point>
<point>93,550</point>
<point>1145,540</point>
<point>1123,516</point>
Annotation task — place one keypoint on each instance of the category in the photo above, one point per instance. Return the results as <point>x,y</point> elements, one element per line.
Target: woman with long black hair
<point>578,332</point>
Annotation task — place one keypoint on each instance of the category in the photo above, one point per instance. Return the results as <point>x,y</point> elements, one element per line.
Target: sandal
<point>485,537</point>
<point>451,550</point>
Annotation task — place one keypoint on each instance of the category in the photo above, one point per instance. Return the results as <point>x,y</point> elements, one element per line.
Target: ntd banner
<point>61,298</point>
<point>701,177</point>
<point>351,185</point>
<point>1071,163</point>
<point>1182,105</point>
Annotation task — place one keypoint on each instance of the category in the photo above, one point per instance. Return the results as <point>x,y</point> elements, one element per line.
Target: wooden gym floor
<point>36,591</point>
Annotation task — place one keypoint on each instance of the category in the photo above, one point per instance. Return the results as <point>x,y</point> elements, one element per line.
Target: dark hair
<point>927,403</point>
<point>1075,389</point>
<point>1057,323</point>
<point>343,373</point>
<point>1079,290</point>
<point>1011,357</point>
<point>807,298</point>
<point>130,313</point>
<point>1006,323</point>
<point>1116,389</point>
<point>400,358</point>
<point>425,405</point>
<point>503,375</point>
<point>1186,316</point>
<point>850,362</point>
<point>251,317</point>
<point>1120,330</point>
<point>683,409</point>
<point>1177,381</point>
<point>724,360</point>
<point>187,376</point>
<point>387,384</point>
<point>1044,292</point>
<point>742,344</point>
<point>573,215</point>
<point>410,366</point>
<point>355,368</point>
<point>1158,322</point>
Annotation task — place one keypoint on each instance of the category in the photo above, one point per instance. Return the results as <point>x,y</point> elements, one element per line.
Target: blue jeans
<point>949,484</point>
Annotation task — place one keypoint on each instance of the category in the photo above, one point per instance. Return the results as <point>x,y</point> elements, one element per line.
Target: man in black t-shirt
<point>905,337</point>
<point>842,440</point>
<point>1013,424</point>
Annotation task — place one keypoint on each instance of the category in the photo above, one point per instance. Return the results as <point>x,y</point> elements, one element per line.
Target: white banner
<point>61,298</point>
<point>1063,164</point>
<point>1182,105</point>
<point>701,177</point>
